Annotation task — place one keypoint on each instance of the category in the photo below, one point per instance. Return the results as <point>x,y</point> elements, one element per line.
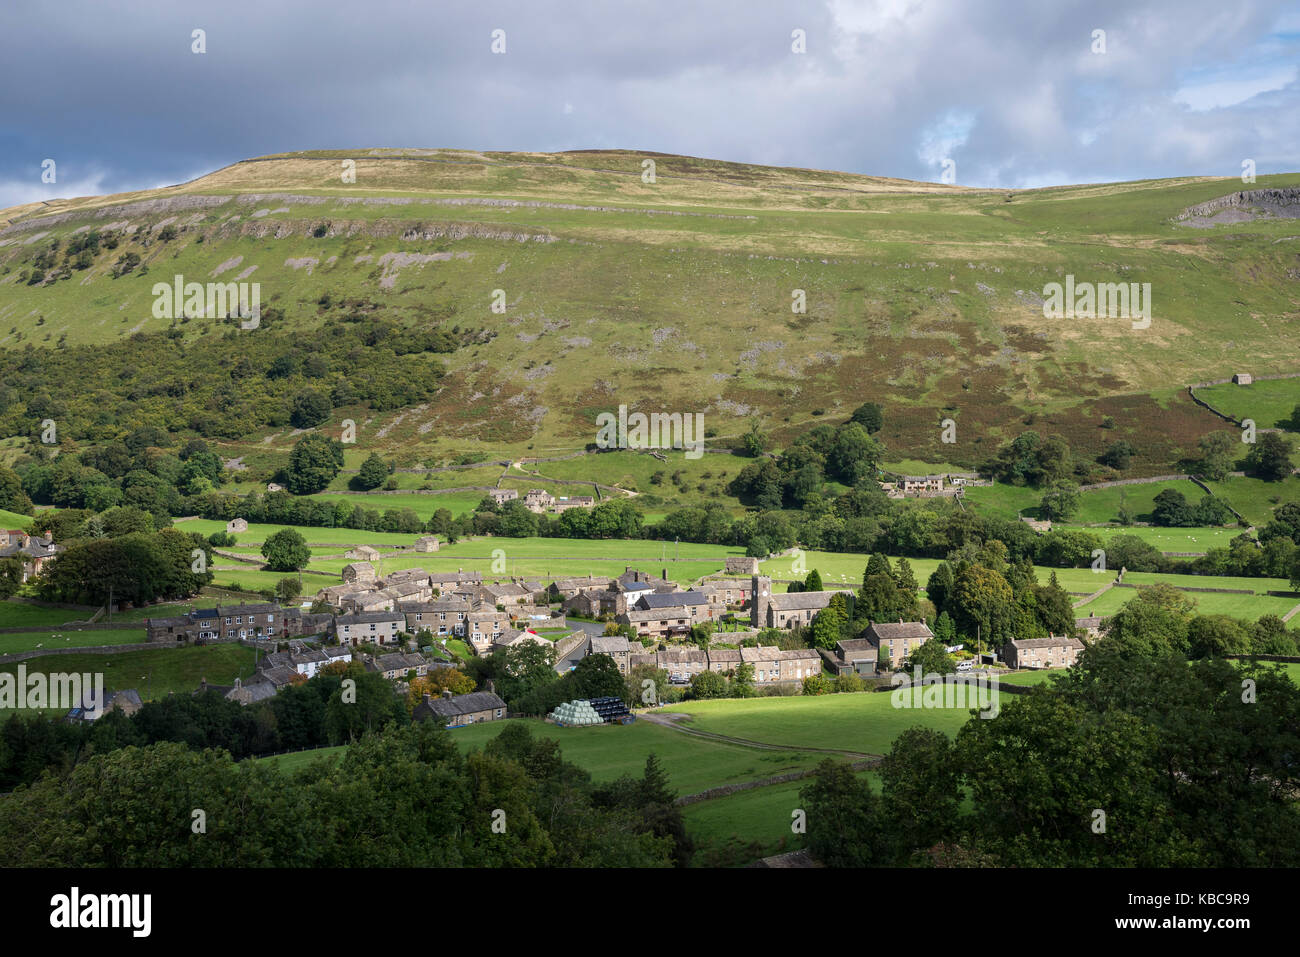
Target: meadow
<point>1270,402</point>
<point>68,638</point>
<point>154,673</point>
<point>865,722</point>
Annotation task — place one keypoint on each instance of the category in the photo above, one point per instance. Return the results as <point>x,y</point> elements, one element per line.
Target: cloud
<point>1011,91</point>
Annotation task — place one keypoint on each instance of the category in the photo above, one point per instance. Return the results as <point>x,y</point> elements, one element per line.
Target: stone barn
<point>426,543</point>
<point>358,573</point>
<point>363,552</point>
<point>236,525</point>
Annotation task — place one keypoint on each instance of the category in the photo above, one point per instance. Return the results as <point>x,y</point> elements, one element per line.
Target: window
<point>227,619</point>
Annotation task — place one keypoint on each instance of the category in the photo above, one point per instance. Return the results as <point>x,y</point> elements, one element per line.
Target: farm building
<point>1243,378</point>
<point>358,572</point>
<point>426,543</point>
<point>363,552</point>
<point>462,709</point>
<point>236,525</point>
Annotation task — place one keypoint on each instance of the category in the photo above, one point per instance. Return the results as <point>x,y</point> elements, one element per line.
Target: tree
<point>817,684</point>
<point>287,589</point>
<point>846,826</point>
<point>1270,457</point>
<point>829,623</point>
<point>1118,455</point>
<point>286,551</point>
<point>869,416</point>
<point>1152,624</point>
<point>920,786</point>
<point>310,409</point>
<point>1060,501</point>
<point>373,472</point>
<point>1213,636</point>
<point>742,681</point>
<point>313,464</point>
<point>932,658</point>
<point>982,605</point>
<point>1171,509</point>
<point>755,442</point>
<point>1216,454</point>
<point>813,582</point>
<point>11,576</point>
<point>708,684</point>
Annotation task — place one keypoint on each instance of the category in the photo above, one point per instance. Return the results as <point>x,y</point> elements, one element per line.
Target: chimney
<point>446,693</point>
<point>427,697</point>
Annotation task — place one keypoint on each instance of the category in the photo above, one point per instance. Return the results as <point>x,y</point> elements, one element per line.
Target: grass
<point>14,519</point>
<point>1269,402</point>
<point>68,638</point>
<point>865,722</point>
<point>155,673</point>
<point>762,815</point>
<point>692,764</point>
<point>14,614</point>
<point>1095,505</point>
<point>911,287</point>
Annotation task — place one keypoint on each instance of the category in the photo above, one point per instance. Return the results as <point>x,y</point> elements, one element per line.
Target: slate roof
<point>609,644</point>
<point>901,629</point>
<point>672,599</point>
<point>1024,644</point>
<point>463,704</point>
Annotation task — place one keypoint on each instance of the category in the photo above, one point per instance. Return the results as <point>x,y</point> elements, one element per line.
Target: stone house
<point>502,495</point>
<point>616,646</point>
<point>726,591</point>
<point>222,623</point>
<point>668,622</point>
<point>854,656</point>
<point>795,664</point>
<point>897,640</point>
<point>1051,652</point>
<point>766,662</point>
<point>767,610</point>
<point>443,617</point>
<point>378,627</point>
<point>460,710</point>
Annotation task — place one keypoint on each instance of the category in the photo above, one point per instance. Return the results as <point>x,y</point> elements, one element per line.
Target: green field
<point>693,764</point>
<point>14,520</point>
<point>865,722</point>
<point>15,614</point>
<point>1269,402</point>
<point>154,673</point>
<point>1256,498</point>
<point>68,638</point>
<point>545,558</point>
<point>1095,505</point>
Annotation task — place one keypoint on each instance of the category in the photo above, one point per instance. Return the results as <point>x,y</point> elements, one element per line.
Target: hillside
<point>668,296</point>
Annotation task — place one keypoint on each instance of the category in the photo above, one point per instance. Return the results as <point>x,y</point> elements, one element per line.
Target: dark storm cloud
<point>1010,92</point>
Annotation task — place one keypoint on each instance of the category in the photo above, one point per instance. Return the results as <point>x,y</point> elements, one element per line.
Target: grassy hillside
<point>675,296</point>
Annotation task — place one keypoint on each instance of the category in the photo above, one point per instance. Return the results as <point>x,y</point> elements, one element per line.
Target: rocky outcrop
<point>1243,206</point>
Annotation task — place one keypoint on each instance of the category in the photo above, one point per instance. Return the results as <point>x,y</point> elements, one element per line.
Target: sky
<point>993,93</point>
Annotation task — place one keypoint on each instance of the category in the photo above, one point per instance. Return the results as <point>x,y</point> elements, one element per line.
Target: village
<point>399,624</point>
